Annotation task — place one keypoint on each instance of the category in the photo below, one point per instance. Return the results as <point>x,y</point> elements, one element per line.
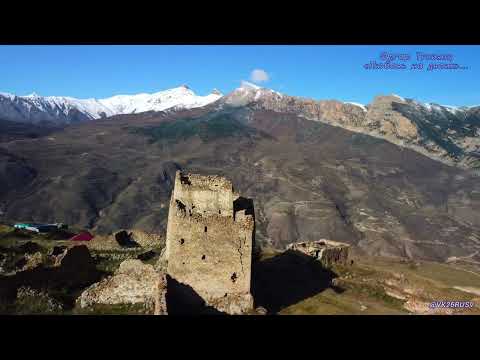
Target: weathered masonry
<point>328,252</point>
<point>209,241</point>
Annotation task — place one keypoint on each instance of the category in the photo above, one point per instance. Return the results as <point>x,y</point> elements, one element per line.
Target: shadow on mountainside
<point>287,279</point>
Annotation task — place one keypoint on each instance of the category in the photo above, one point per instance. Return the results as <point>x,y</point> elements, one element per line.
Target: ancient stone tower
<point>209,241</point>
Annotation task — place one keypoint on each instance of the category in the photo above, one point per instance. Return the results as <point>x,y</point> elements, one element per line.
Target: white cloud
<point>259,75</point>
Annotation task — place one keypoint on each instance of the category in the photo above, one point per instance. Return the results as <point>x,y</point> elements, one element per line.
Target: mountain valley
<point>309,179</point>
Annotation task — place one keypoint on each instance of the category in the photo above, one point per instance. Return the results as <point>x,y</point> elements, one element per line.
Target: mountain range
<point>66,110</point>
<point>444,133</point>
<point>394,177</point>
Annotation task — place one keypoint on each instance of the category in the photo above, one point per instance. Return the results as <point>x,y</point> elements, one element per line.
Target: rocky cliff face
<point>446,134</point>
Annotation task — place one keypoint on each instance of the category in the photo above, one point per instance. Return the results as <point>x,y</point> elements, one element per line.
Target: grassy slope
<point>363,295</point>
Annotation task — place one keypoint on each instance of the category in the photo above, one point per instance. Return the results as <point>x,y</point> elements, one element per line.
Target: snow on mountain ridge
<point>248,93</point>
<point>428,105</point>
<point>62,109</point>
<point>248,89</point>
<point>357,104</point>
<point>34,108</point>
<point>159,101</point>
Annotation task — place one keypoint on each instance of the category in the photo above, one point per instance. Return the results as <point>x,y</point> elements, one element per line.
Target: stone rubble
<point>133,283</point>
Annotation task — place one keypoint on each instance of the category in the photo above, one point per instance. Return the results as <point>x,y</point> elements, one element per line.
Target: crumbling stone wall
<point>208,244</point>
<point>328,252</point>
<point>205,195</point>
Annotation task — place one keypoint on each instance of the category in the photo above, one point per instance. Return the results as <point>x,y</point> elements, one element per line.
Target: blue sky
<point>319,72</point>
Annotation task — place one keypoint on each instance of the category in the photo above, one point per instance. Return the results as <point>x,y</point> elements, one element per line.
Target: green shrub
<point>206,128</point>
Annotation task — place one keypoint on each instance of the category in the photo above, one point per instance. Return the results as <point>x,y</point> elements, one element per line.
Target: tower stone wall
<point>210,240</point>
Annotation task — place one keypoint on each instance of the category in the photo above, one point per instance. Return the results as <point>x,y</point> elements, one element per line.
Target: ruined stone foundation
<point>209,241</point>
<point>328,252</point>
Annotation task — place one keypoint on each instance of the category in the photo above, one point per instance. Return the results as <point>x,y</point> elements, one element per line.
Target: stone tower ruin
<point>209,242</point>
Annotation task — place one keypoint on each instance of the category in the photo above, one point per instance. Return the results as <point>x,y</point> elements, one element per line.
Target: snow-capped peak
<point>179,97</point>
<point>248,93</point>
<point>7,95</point>
<point>248,87</point>
<point>437,107</point>
<point>35,108</point>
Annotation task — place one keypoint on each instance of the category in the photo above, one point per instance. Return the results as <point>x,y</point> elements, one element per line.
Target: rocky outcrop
<point>75,259</point>
<point>381,116</point>
<point>31,261</point>
<point>440,132</point>
<point>133,283</point>
<point>233,304</point>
